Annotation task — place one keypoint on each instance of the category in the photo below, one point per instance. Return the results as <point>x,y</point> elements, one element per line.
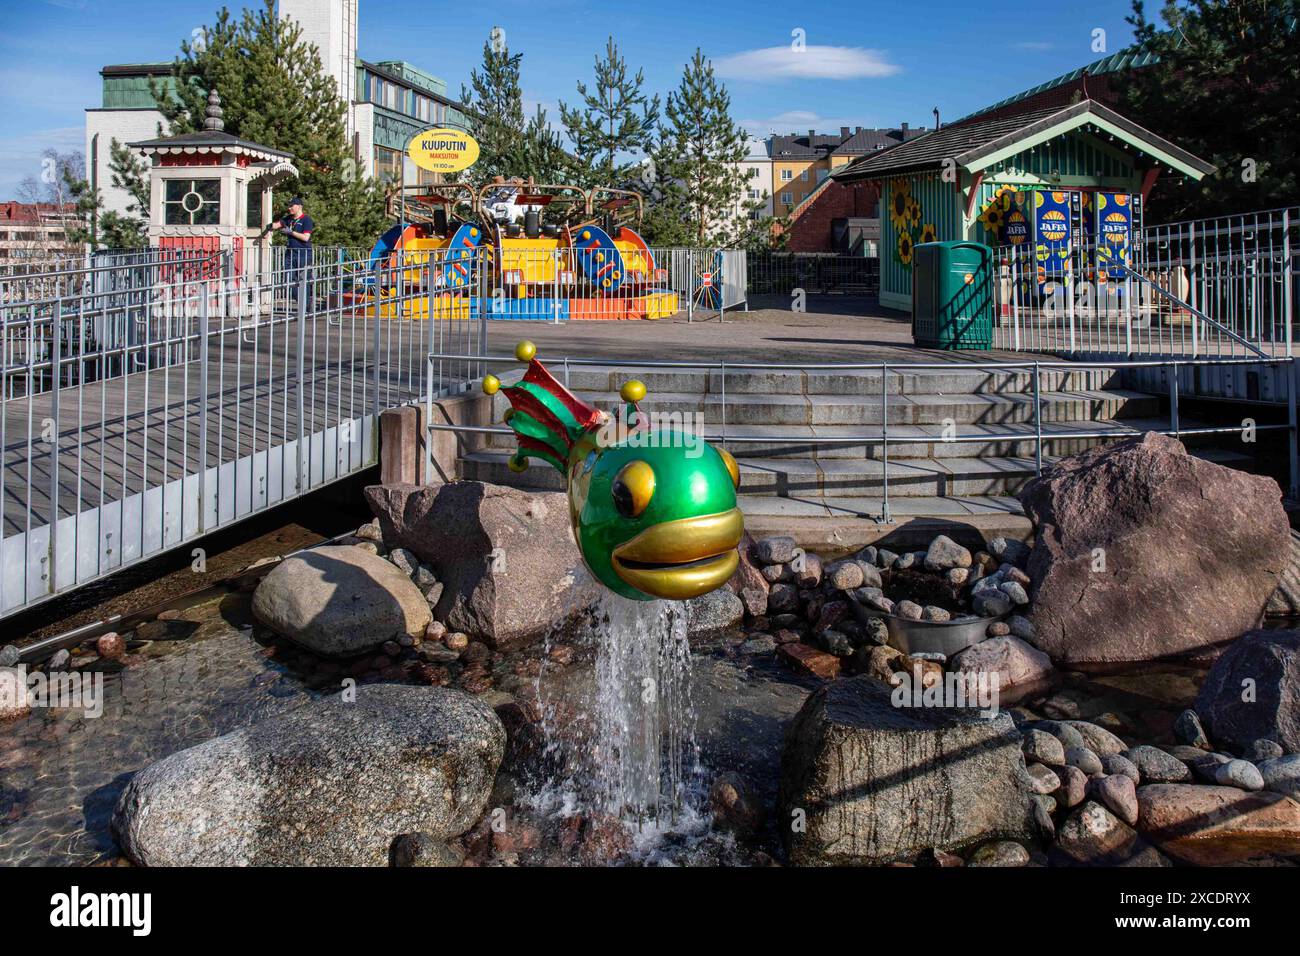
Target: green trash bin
<point>952,295</point>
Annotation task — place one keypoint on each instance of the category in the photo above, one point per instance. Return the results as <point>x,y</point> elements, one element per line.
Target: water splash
<point>625,745</point>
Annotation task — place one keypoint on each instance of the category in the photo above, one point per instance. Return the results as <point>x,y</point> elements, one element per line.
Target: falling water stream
<point>627,742</point>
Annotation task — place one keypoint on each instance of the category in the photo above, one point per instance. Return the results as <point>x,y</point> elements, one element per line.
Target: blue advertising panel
<point>1053,238</point>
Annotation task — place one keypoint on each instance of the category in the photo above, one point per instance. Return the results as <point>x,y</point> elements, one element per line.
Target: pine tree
<point>495,102</point>
<point>110,229</point>
<point>696,163</point>
<point>1224,89</point>
<point>615,119</point>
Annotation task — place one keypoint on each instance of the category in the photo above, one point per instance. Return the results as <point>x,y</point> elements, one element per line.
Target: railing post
<point>56,356</point>
<point>1173,398</point>
<point>377,299</point>
<point>724,403</point>
<point>884,439</point>
<point>1287,271</point>
<point>302,365</point>
<point>1038,421</point>
<point>203,409</point>
<point>1294,442</point>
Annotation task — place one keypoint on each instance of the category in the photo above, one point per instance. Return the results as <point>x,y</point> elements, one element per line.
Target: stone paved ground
<point>834,329</point>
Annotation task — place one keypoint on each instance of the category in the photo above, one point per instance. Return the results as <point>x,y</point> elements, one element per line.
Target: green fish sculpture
<point>653,510</point>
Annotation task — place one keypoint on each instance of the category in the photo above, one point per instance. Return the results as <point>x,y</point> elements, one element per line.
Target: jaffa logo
<point>443,150</point>
<point>1053,226</point>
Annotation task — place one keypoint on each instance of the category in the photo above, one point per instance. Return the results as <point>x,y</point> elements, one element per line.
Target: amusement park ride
<point>519,250</point>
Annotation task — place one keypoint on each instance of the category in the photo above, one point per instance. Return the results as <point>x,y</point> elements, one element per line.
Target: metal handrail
<point>883,439</point>
<point>1192,309</point>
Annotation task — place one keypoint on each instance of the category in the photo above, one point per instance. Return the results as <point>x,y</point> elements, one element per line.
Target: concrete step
<point>910,441</point>
<point>958,379</point>
<point>918,409</point>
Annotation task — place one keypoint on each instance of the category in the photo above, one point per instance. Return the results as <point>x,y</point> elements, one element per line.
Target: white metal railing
<point>1212,287</point>
<point>1028,375</point>
<point>148,400</point>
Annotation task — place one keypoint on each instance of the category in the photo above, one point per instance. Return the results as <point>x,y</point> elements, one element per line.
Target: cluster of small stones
<point>107,652</point>
<point>806,617</point>
<point>1086,781</point>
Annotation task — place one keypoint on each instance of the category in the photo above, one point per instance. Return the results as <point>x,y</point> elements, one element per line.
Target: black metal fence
<point>814,272</point>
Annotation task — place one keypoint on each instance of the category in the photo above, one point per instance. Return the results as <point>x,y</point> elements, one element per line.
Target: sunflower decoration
<point>993,217</point>
<point>900,201</point>
<point>913,213</point>
<point>905,248</point>
<point>929,233</point>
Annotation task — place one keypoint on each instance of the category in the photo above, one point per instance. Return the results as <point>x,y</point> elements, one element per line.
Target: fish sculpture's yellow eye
<point>633,487</point>
<point>733,469</point>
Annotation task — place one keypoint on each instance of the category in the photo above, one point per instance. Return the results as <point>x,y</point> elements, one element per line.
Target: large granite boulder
<point>340,601</point>
<point>1143,551</point>
<point>506,557</point>
<point>332,783</point>
<point>1214,826</point>
<point>864,781</point>
<point>1252,692</point>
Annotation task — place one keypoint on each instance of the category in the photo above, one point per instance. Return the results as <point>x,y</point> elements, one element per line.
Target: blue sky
<point>866,63</point>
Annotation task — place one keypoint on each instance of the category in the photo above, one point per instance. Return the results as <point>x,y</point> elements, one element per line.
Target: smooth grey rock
<point>1118,793</point>
<point>1267,662</point>
<point>331,783</point>
<point>945,554</point>
<point>935,614</point>
<point>1015,591</point>
<point>1084,759</point>
<point>9,656</point>
<point>845,575</point>
<point>879,783</point>
<point>1074,785</point>
<point>713,611</point>
<point>1093,836</point>
<point>339,601</point>
<point>909,609</point>
<point>778,549</point>
<point>1042,746</point>
<point>906,560</point>
<point>1119,764</point>
<point>1263,749</point>
<point>1282,775</point>
<point>885,558</point>
<point>1098,739</point>
<point>1238,773</point>
<point>1156,766</point>
<point>1163,520</point>
<point>1062,731</point>
<point>1043,779</point>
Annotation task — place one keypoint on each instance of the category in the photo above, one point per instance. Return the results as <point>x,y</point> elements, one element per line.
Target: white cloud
<point>809,63</point>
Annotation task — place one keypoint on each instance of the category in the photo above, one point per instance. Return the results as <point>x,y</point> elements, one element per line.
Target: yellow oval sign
<point>443,150</point>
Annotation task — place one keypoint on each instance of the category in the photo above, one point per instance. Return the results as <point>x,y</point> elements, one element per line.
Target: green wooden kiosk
<point>1006,179</point>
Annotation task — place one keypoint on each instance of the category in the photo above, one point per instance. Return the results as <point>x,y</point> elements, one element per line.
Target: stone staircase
<point>818,477</point>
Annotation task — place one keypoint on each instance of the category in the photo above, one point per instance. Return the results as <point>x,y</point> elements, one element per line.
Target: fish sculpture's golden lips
<point>682,559</point>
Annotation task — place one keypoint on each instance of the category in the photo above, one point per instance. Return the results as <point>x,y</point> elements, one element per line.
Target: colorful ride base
<point>450,305</point>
